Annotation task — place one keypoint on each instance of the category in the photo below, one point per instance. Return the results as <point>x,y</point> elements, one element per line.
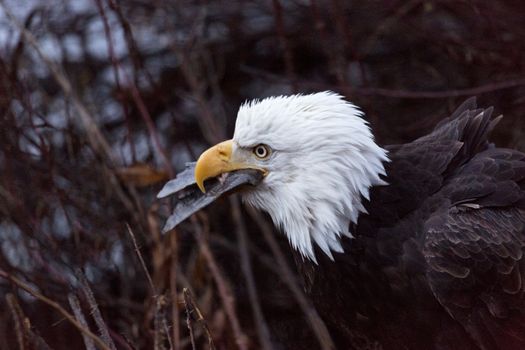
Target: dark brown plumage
<point>438,261</point>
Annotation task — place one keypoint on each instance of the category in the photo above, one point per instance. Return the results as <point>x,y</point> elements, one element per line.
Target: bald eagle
<point>413,246</point>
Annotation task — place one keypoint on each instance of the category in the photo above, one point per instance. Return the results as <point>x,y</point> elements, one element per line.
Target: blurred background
<point>102,101</point>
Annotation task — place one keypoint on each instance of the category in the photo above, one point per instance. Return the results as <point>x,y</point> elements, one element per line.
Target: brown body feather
<point>438,261</point>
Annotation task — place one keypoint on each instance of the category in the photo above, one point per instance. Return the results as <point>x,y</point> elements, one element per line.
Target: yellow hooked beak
<point>215,161</point>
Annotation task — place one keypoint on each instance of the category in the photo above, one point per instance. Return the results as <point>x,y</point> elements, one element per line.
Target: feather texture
<point>324,162</point>
<point>437,259</point>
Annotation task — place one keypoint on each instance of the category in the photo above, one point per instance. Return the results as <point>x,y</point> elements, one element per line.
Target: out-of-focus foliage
<point>101,101</point>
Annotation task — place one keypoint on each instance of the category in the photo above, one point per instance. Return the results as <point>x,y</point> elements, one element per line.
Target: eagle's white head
<point>319,158</point>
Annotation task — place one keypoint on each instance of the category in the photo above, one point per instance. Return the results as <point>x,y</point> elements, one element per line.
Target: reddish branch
<point>242,238</point>
<point>100,343</point>
<point>395,93</point>
<point>173,291</point>
<point>193,313</point>
<point>288,277</point>
<point>137,98</point>
<point>225,292</point>
<point>283,41</point>
<point>95,136</point>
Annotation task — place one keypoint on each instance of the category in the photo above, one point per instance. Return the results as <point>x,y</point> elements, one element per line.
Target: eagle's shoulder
<point>424,166</point>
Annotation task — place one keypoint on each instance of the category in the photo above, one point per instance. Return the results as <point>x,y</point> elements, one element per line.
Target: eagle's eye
<point>262,151</point>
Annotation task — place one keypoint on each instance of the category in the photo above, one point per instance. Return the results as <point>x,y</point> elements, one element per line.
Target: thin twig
<point>18,319</point>
<point>95,311</point>
<point>396,93</point>
<point>474,91</point>
<point>159,323</point>
<point>142,262</point>
<point>189,310</point>
<point>225,292</point>
<point>77,310</point>
<point>161,327</point>
<point>137,98</point>
<point>288,277</point>
<point>242,238</point>
<point>283,41</point>
<point>25,335</point>
<point>122,341</point>
<point>194,313</point>
<point>173,291</point>
<point>100,343</point>
<point>95,137</point>
<point>212,131</point>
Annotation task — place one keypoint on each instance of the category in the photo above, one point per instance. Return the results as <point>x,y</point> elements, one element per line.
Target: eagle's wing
<point>421,168</point>
<point>474,245</point>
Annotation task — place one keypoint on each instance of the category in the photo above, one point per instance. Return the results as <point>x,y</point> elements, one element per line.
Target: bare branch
<point>223,287</point>
<point>95,311</point>
<point>262,327</point>
<point>315,321</point>
<point>77,310</point>
<point>18,317</point>
<point>281,33</point>
<point>194,314</point>
<point>26,337</point>
<point>57,307</point>
<point>141,259</point>
<point>97,140</point>
<point>173,292</point>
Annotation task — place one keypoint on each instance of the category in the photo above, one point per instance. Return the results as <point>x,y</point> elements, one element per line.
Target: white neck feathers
<point>325,162</point>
